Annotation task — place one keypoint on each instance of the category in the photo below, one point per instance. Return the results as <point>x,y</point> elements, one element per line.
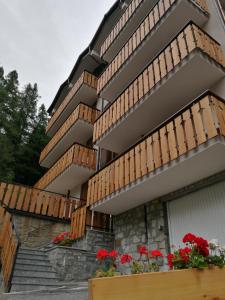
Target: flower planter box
<point>183,284</point>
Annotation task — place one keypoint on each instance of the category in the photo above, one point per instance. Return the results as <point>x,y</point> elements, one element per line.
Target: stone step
<point>22,287</point>
<point>34,280</point>
<point>31,251</point>
<point>32,256</point>
<point>35,274</point>
<point>31,267</point>
<point>33,262</point>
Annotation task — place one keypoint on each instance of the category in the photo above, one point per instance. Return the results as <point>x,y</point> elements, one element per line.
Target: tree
<point>22,130</point>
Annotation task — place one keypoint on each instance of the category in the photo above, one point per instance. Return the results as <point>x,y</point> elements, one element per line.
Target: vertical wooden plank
<point>137,151</point>
<point>175,53</point>
<point>143,158</point>
<point>127,169</point>
<point>8,194</point>
<point>219,107</point>
<point>156,70</point>
<point>150,158</point>
<point>2,190</point>
<point>208,120</point>
<point>198,124</point>
<point>156,150</point>
<point>19,204</point>
<point>121,172</point>
<point>164,145</point>
<point>172,141</point>
<point>189,131</point>
<point>169,60</point>
<point>181,140</point>
<point>14,197</point>
<point>27,199</point>
<point>162,64</point>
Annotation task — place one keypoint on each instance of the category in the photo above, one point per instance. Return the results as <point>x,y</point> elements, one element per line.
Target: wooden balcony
<point>71,170</point>
<point>187,67</point>
<point>126,25</point>
<point>77,128</point>
<point>163,22</point>
<point>84,89</point>
<point>185,149</point>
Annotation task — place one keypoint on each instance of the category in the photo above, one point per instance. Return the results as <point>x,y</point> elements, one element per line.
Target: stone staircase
<point>33,272</point>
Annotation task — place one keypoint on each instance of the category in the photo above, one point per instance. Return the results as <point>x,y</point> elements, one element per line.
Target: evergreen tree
<point>22,130</point>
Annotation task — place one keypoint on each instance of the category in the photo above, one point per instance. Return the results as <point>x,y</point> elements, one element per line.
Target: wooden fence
<point>203,120</point>
<point>155,15</point>
<point>83,218</point>
<point>78,155</point>
<point>31,200</point>
<point>189,39</point>
<point>8,245</point>
<point>83,112</point>
<point>86,78</point>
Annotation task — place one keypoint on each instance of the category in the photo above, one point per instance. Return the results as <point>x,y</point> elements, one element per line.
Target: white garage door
<point>201,213</point>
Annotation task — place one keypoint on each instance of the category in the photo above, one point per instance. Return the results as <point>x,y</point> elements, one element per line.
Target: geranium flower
<point>126,258</point>
<point>189,238</point>
<point>113,254</point>
<point>202,246</point>
<point>142,250</point>
<point>184,254</point>
<point>170,258</point>
<point>102,254</point>
<point>156,253</point>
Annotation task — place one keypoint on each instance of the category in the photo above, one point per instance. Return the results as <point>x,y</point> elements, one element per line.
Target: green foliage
<point>22,131</point>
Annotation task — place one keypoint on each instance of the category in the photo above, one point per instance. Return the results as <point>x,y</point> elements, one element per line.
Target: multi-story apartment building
<point>138,128</point>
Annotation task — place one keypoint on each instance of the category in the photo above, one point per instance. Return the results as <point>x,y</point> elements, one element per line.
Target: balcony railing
<point>86,79</point>
<point>188,147</point>
<point>68,134</point>
<point>62,177</point>
<point>147,34</point>
<point>28,200</point>
<point>127,15</point>
<point>190,39</point>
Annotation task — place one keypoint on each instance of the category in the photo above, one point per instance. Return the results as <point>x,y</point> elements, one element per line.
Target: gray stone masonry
<point>37,232</point>
<point>143,225</point>
<point>95,239</point>
<point>72,264</point>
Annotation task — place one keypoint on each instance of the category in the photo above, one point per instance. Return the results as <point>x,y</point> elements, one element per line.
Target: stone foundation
<point>144,225</point>
<point>73,264</point>
<point>95,239</point>
<point>37,232</point>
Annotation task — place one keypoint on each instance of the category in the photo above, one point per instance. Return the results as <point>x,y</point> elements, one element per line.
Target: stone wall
<point>95,239</point>
<point>73,264</point>
<point>143,225</point>
<point>36,232</point>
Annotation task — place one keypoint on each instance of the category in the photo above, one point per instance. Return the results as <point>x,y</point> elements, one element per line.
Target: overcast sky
<point>42,39</point>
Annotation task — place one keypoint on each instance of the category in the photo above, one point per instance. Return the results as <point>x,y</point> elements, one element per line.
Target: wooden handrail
<point>196,125</point>
<point>82,112</point>
<point>9,246</point>
<point>189,39</point>
<point>86,78</point>
<point>78,154</point>
<point>34,201</point>
<point>145,29</point>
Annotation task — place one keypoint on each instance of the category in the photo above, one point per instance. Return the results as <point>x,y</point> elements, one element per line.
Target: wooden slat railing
<point>188,40</point>
<point>155,15</point>
<point>82,218</point>
<point>34,201</point>
<point>78,155</point>
<point>196,125</point>
<point>86,78</point>
<point>83,112</point>
<point>8,247</point>
<point>126,16</point>
<point>145,29</point>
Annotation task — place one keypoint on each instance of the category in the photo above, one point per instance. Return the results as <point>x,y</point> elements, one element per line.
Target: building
<point>138,128</point>
<point>137,148</point>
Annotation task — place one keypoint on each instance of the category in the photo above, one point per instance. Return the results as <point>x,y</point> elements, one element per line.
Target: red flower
<point>102,254</point>
<point>170,258</point>
<point>189,238</point>
<point>202,246</point>
<point>156,253</point>
<point>126,258</point>
<point>184,254</point>
<point>143,250</point>
<point>113,254</point>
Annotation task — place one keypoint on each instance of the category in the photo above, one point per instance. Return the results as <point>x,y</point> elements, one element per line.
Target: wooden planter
<point>206,284</point>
